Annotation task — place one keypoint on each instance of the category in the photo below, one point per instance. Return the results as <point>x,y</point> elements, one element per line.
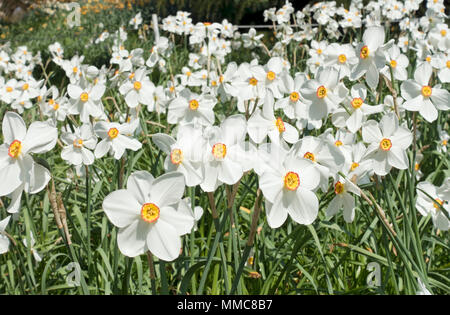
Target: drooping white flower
<point>431,201</point>
<point>4,240</point>
<point>344,190</point>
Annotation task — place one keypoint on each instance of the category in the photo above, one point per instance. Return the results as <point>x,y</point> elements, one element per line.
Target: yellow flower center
<point>150,212</point>
<point>221,78</point>
<point>338,143</point>
<point>188,73</point>
<point>338,188</point>
<point>214,83</point>
<point>51,101</point>
<point>393,63</point>
<point>428,59</point>
<point>176,156</point>
<point>75,69</point>
<point>319,51</point>
<point>364,53</point>
<point>448,63</point>
<point>342,58</point>
<point>294,96</point>
<point>14,149</point>
<point>9,89</point>
<point>357,102</point>
<point>443,33</point>
<point>253,81</point>
<point>25,86</point>
<point>84,97</point>
<point>444,142</point>
<point>280,125</point>
<point>309,156</point>
<point>193,104</point>
<point>271,75</point>
<point>131,76</point>
<point>56,106</point>
<point>416,166</point>
<point>354,166</point>
<point>137,85</point>
<point>438,202</point>
<point>426,91</point>
<point>219,150</point>
<point>321,92</point>
<point>291,181</point>
<point>385,144</point>
<point>78,143</point>
<point>113,133</point>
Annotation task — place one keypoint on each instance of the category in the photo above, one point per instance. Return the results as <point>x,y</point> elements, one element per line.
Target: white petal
<point>164,241</point>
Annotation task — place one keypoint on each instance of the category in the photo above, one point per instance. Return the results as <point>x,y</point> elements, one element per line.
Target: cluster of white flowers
<point>274,111</point>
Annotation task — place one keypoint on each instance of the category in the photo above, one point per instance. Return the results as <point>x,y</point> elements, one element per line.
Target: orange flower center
<point>342,58</point>
<point>393,63</point>
<point>338,188</point>
<point>280,125</point>
<point>253,81</point>
<point>193,104</point>
<point>84,97</point>
<point>294,96</point>
<point>219,150</point>
<point>176,156</point>
<point>14,149</point>
<point>364,53</point>
<point>354,166</point>
<point>321,92</point>
<point>291,181</point>
<point>113,133</point>
<point>309,156</point>
<point>357,102</point>
<point>137,85</point>
<point>426,90</point>
<point>150,212</point>
<point>338,143</point>
<point>385,144</point>
<point>78,143</point>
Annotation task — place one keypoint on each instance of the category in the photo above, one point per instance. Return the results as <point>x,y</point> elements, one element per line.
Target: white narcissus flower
<point>293,104</point>
<point>138,89</point>
<point>324,93</point>
<point>86,100</point>
<point>190,107</point>
<point>288,189</point>
<point>225,153</point>
<point>398,62</point>
<point>263,123</point>
<point>420,96</point>
<point>147,217</point>
<point>79,145</point>
<point>17,168</point>
<point>355,111</point>
<point>431,201</point>
<point>371,58</point>
<point>4,240</point>
<point>183,154</point>
<point>116,137</point>
<point>388,143</point>
<point>326,157</point>
<point>343,199</point>
<point>342,57</point>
